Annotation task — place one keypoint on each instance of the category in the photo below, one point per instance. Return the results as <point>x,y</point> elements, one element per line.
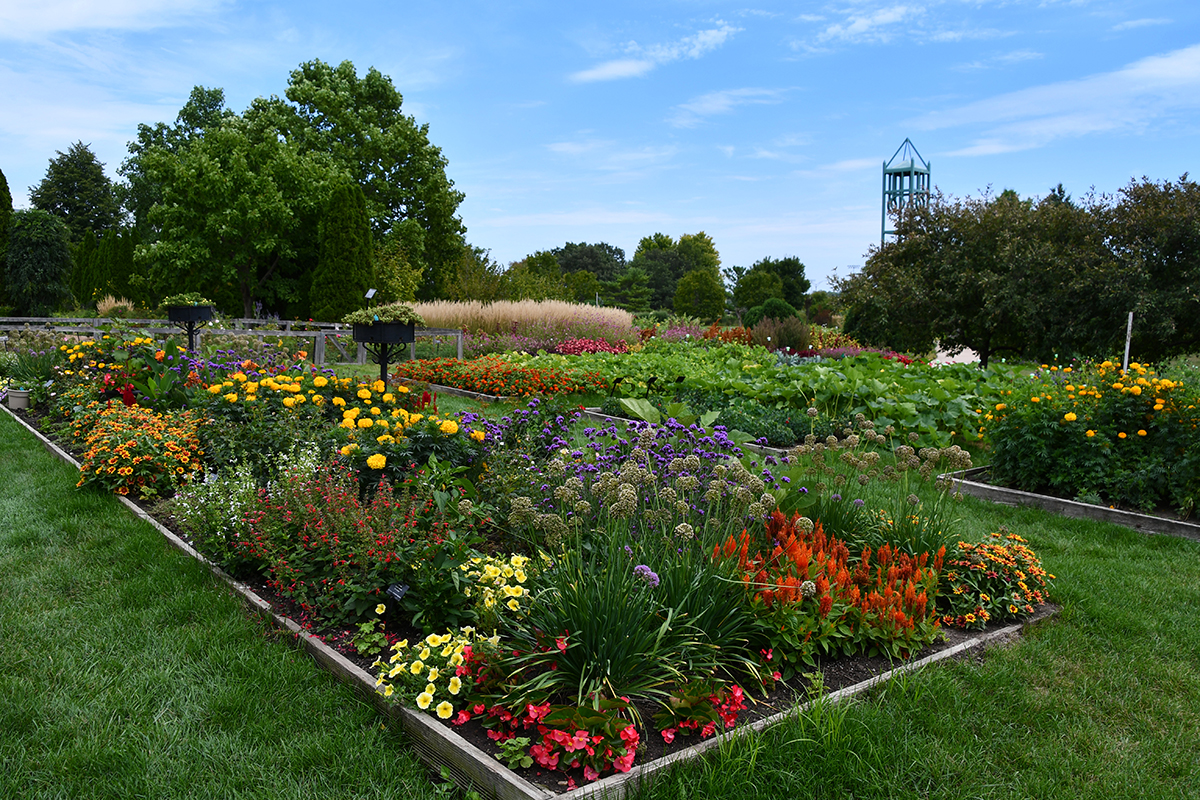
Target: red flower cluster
<point>497,376</point>
<point>574,347</point>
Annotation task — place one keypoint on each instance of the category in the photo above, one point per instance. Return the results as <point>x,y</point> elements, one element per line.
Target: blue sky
<point>764,125</point>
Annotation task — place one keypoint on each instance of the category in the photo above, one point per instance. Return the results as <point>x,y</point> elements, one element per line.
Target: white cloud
<point>614,70</point>
<point>643,59</point>
<point>1140,23</point>
<point>689,114</point>
<point>1130,99</point>
<point>876,26</point>
<point>28,20</point>
<point>1002,60</point>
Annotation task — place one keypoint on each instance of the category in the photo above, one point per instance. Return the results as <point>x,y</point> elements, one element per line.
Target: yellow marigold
<point>366,422</point>
<point>1141,433</point>
<point>1035,399</point>
<point>1001,406</point>
<point>377,461</point>
<point>1121,435</point>
<point>402,389</point>
<point>379,386</point>
<point>288,402</point>
<point>1070,416</point>
<point>478,435</point>
<point>448,427</point>
<point>215,389</point>
<point>364,394</point>
<point>337,401</point>
<point>1090,434</point>
<point>320,381</point>
<point>232,397</point>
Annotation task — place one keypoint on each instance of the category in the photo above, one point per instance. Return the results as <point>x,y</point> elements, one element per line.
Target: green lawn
<point>126,670</point>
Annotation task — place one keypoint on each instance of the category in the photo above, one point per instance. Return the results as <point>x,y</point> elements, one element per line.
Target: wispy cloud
<point>641,59</point>
<point>1002,60</point>
<point>874,26</point>
<point>1130,99</point>
<point>29,20</point>
<point>691,113</point>
<point>1140,23</point>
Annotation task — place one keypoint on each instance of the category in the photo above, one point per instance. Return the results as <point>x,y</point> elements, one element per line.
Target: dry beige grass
<point>521,316</point>
<point>109,306</point>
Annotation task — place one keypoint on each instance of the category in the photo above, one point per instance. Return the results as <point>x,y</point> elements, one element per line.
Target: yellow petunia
<point>423,700</point>
<point>445,710</point>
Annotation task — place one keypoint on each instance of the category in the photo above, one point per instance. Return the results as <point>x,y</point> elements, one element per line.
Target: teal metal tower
<point>905,183</point>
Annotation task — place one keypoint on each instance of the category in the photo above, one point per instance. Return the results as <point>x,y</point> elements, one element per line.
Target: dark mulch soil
<point>835,674</point>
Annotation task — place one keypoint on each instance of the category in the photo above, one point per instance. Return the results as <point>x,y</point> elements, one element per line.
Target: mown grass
<point>126,671</point>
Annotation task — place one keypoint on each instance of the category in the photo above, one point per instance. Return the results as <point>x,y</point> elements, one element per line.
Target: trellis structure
<point>905,183</point>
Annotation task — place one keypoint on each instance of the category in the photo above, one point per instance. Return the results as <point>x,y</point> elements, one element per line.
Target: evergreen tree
<point>80,282</point>
<point>39,263</point>
<point>6,212</point>
<point>77,191</point>
<point>630,291</point>
<point>344,269</point>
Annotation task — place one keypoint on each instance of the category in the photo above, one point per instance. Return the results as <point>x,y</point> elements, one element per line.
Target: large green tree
<point>358,123</point>
<point>790,271</point>
<point>665,261</point>
<point>204,109</point>
<point>996,274</point>
<point>1156,236</point>
<point>38,263</point>
<point>603,260</point>
<point>700,294</point>
<point>237,206</point>
<point>344,270</point>
<point>77,191</point>
<point>755,287</point>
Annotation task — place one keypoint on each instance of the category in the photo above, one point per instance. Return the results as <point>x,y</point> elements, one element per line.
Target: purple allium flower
<point>646,574</point>
<point>858,501</point>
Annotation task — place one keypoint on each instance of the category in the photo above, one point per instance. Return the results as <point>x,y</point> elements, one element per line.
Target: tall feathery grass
<point>528,325</point>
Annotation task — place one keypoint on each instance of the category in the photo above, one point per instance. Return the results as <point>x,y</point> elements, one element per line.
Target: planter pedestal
<point>191,319</point>
<point>383,340</point>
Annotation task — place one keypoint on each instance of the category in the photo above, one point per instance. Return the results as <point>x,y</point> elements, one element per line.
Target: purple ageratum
<point>646,574</point>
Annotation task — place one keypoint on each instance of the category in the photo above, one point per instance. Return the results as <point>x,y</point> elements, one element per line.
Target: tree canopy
<point>1037,278</point>
<point>665,261</point>
<point>77,191</point>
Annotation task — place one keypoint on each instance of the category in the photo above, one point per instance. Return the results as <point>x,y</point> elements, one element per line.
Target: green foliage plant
<point>391,312</point>
<point>76,190</point>
<point>185,299</point>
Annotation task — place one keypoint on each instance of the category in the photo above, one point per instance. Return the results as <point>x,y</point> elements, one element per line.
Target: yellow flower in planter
<point>423,700</point>
<point>377,461</point>
<point>445,710</point>
<point>455,685</point>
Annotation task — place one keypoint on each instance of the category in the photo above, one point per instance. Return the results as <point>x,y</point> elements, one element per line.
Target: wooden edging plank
<point>440,747</point>
<point>1068,508</point>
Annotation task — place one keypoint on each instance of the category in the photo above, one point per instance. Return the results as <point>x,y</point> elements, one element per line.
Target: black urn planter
<point>385,332</point>
<point>189,313</point>
<point>383,340</point>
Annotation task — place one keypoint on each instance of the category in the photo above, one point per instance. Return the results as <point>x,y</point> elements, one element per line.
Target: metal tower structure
<point>905,183</point>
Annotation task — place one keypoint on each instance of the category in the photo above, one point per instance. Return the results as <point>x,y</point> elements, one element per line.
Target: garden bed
<point>463,752</point>
<point>974,482</point>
